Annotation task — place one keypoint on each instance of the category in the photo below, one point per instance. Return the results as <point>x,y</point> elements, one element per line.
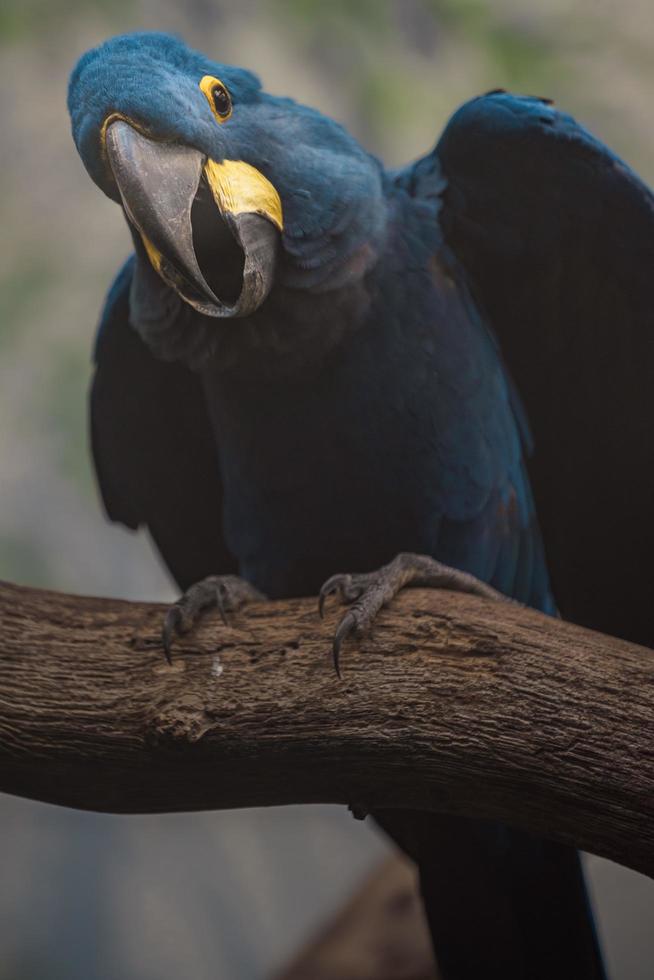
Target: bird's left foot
<point>226,593</point>
<point>367,592</point>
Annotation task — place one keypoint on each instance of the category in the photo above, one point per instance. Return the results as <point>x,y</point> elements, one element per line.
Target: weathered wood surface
<point>454,703</point>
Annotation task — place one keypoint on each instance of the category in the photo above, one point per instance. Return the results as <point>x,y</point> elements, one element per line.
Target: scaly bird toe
<point>226,593</point>
<point>371,591</point>
<point>355,621</point>
<point>348,587</point>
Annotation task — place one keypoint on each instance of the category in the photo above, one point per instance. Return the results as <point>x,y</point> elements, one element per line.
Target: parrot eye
<point>221,101</point>
<point>218,97</point>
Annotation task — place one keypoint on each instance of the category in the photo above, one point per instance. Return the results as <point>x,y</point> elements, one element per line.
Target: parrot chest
<point>343,465</point>
<point>323,476</point>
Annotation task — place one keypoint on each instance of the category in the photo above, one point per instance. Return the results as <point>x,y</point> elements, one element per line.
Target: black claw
<point>328,588</point>
<point>336,652</point>
<point>170,630</point>
<point>220,603</point>
<point>347,625</point>
<point>223,592</point>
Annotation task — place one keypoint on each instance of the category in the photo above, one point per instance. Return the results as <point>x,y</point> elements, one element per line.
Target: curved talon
<point>226,592</point>
<point>220,603</point>
<point>328,588</point>
<point>170,630</point>
<point>346,627</point>
<point>371,591</point>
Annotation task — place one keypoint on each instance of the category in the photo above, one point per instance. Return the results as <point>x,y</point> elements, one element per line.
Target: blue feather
<point>364,409</point>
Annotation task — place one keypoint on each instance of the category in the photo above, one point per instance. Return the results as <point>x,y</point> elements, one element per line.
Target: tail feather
<point>500,902</point>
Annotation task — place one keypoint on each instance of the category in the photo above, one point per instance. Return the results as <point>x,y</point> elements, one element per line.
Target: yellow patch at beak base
<point>239,188</point>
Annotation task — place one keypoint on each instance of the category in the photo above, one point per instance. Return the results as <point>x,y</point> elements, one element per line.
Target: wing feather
<point>556,237</point>
<point>153,446</point>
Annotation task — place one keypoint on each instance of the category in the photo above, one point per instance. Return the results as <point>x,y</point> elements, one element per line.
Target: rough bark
<point>453,703</point>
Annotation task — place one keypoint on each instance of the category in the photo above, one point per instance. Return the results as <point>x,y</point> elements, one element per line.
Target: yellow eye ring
<point>218,97</point>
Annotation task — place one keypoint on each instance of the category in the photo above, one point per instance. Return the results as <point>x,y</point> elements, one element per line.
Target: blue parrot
<point>300,372</point>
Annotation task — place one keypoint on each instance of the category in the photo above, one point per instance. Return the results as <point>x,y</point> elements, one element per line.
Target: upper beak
<point>210,230</point>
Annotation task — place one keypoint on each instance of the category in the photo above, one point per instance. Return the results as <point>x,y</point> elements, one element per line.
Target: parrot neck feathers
<point>293,328</point>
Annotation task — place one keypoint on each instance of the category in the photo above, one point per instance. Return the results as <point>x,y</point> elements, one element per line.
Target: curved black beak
<point>215,244</point>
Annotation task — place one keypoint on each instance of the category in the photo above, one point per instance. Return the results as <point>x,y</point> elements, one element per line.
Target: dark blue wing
<point>153,446</point>
<point>556,236</point>
<point>487,522</point>
<point>508,216</point>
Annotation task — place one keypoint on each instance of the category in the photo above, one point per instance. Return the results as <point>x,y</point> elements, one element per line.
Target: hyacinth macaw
<point>300,373</point>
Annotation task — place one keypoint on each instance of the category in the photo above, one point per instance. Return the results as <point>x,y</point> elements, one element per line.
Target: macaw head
<point>227,189</point>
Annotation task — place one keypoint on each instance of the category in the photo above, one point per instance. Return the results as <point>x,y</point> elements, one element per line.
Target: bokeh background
<point>226,895</point>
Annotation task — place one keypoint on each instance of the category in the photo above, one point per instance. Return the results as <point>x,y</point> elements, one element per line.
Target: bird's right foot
<point>368,592</point>
<point>227,593</point>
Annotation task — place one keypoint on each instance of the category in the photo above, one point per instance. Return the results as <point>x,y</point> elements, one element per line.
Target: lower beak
<point>211,230</point>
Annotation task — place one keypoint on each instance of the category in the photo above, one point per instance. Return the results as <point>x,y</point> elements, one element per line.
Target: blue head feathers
<point>330,188</point>
<point>152,79</point>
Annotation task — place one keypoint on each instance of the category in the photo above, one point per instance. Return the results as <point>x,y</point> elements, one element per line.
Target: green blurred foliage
<point>23,560</point>
<point>20,19</point>
<point>61,398</point>
<point>392,71</point>
<point>20,291</point>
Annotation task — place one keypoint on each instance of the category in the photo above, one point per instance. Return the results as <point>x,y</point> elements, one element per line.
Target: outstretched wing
<point>153,447</point>
<point>556,237</point>
<point>487,522</point>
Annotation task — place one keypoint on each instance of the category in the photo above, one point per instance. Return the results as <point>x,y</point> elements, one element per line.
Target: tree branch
<point>454,704</point>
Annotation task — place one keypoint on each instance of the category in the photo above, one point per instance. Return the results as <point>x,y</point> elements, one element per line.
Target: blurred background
<point>226,895</point>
